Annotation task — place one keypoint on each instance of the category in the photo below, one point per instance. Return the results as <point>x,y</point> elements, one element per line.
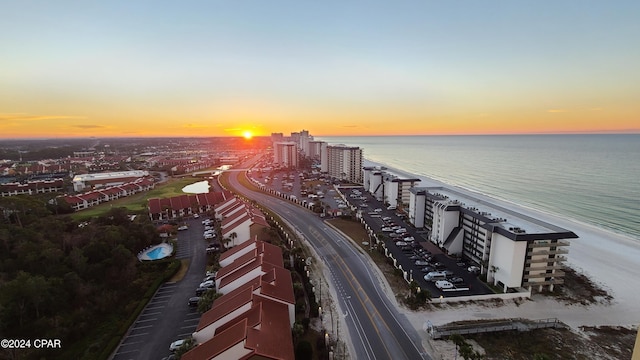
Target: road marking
<point>138,334</point>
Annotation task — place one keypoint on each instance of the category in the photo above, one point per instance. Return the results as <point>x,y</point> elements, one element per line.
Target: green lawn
<point>138,202</point>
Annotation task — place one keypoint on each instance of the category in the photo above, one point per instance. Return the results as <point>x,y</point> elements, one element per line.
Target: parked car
<point>183,227</point>
<point>201,290</point>
<point>401,231</point>
<point>207,284</point>
<point>176,344</point>
<point>213,248</point>
<point>435,276</point>
<point>456,280</point>
<point>421,263</point>
<point>409,238</point>
<point>378,210</point>
<point>444,284</point>
<point>427,269</point>
<point>386,229</point>
<point>208,278</point>
<point>195,216</point>
<point>193,301</point>
<point>473,270</point>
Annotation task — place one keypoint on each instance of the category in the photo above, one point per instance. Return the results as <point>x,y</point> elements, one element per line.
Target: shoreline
<point>608,258</point>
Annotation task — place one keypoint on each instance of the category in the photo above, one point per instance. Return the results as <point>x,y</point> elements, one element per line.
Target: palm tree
<point>233,236</point>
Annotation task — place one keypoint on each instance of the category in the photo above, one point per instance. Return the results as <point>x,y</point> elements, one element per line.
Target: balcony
<point>557,274</point>
<point>538,283</point>
<point>548,252</point>
<point>556,266</point>
<point>547,244</point>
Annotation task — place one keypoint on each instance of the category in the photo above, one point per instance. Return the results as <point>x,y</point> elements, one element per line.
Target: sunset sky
<point>223,67</point>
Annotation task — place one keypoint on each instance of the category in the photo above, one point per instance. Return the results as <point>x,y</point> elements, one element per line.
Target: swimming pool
<point>156,252</point>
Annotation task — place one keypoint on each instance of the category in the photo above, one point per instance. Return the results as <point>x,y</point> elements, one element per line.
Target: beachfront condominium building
<point>315,149</point>
<point>512,249</point>
<point>344,163</point>
<point>285,154</point>
<point>392,189</point>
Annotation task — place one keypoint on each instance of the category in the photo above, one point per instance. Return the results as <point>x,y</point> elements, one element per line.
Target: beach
<point>608,259</point>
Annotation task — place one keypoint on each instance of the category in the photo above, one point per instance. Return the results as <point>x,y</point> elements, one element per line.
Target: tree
<point>206,300</point>
<point>304,351</point>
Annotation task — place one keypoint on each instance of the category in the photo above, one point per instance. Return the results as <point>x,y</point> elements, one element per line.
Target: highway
<point>376,330</point>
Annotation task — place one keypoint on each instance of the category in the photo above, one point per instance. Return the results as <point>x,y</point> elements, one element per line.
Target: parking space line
<point>138,334</point>
<point>153,313</point>
<point>127,352</point>
<point>139,321</point>
<point>131,343</point>
<point>142,327</point>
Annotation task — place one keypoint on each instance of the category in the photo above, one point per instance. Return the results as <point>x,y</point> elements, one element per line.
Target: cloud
<point>89,126</point>
<point>557,110</point>
<point>27,117</point>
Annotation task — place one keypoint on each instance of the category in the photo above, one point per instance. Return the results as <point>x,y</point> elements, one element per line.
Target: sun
<point>247,134</point>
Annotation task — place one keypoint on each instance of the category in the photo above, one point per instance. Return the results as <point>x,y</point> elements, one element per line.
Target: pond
<point>200,187</point>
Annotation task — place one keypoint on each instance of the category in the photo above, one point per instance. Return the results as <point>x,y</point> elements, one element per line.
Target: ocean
<point>592,178</point>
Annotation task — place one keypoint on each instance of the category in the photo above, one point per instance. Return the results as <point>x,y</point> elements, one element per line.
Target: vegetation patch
<point>558,343</point>
<point>78,282</point>
<point>579,289</point>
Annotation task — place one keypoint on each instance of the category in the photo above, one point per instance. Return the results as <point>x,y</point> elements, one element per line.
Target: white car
<point>183,227</point>
<point>473,269</point>
<point>401,231</point>
<point>378,210</point>
<point>409,238</point>
<point>207,284</point>
<point>209,236</point>
<point>176,344</point>
<point>386,229</point>
<point>444,284</point>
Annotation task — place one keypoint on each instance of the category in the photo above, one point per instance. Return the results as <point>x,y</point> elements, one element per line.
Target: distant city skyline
<point>240,68</point>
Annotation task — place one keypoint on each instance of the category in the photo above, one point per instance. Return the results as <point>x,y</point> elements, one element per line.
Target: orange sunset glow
<point>339,72</point>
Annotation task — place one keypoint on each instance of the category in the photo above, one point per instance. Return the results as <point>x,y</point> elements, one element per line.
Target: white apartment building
<point>387,187</point>
<point>513,250</point>
<point>98,180</point>
<point>344,163</point>
<point>315,149</point>
<point>285,154</point>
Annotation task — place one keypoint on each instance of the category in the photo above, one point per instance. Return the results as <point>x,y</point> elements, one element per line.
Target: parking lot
<point>409,246</point>
<point>168,317</point>
<point>414,252</point>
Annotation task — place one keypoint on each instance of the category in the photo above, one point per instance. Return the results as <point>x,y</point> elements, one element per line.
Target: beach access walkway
<point>438,332</point>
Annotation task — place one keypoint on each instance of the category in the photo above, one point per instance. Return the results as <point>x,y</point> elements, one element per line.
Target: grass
<point>137,202</point>
<point>184,266</point>
<point>358,234</point>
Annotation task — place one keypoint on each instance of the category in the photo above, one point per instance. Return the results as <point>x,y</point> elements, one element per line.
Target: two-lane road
<point>376,329</point>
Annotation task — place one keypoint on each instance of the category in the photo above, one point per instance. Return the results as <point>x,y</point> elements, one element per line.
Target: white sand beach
<point>608,259</point>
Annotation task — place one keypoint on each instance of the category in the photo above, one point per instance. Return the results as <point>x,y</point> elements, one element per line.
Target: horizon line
<point>597,132</point>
